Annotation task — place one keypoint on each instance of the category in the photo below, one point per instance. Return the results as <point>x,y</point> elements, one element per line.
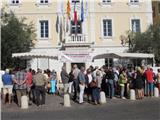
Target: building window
<point>44,29</point>
<point>136,25</point>
<point>107,28</point>
<point>77,1</point>
<point>134,1</point>
<point>109,62</point>
<point>43,1</point>
<point>15,2</point>
<point>106,1</point>
<point>76,29</point>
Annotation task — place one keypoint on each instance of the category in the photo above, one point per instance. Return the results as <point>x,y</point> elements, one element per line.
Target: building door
<point>76,29</point>
<point>109,62</point>
<point>78,64</point>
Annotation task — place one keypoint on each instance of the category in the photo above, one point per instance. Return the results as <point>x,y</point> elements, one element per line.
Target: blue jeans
<point>122,91</point>
<point>111,88</point>
<point>96,94</point>
<point>150,88</point>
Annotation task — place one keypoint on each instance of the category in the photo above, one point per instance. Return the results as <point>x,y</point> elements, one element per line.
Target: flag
<point>57,24</point>
<point>82,12</point>
<point>75,17</point>
<point>68,9</point>
<point>75,14</point>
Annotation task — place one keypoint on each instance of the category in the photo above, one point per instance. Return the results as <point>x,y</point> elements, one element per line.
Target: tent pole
<point>153,62</point>
<point>37,63</point>
<point>108,62</point>
<point>48,63</point>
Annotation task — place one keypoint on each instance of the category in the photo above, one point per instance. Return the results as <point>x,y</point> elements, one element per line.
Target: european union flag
<point>82,12</point>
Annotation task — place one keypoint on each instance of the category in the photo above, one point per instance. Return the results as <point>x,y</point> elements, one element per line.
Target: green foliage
<point>16,36</point>
<point>147,42</point>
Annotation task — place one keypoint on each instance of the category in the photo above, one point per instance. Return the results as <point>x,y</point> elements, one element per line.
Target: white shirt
<point>89,78</point>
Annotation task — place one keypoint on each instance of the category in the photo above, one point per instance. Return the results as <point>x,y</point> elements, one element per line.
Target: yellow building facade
<point>104,22</point>
<point>156,12</point>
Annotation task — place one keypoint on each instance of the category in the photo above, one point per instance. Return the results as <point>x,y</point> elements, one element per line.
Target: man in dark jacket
<point>110,79</point>
<point>65,79</point>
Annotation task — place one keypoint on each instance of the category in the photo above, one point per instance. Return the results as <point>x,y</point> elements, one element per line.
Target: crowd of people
<point>79,83</point>
<point>115,82</point>
<point>28,82</point>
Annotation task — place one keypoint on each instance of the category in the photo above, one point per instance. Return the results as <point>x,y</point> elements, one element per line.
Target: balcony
<point>76,40</point>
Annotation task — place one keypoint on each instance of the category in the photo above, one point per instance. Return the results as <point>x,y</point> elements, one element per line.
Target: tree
<point>16,36</point>
<point>147,42</point>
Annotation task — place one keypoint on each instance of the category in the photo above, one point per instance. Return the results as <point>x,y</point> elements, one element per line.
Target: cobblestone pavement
<point>116,109</point>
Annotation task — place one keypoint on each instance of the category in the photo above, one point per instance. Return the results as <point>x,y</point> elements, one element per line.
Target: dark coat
<point>64,76</point>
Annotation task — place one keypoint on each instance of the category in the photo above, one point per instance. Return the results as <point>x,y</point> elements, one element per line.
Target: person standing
<point>8,85</point>
<point>75,81</point>
<point>33,87</point>
<point>65,79</point>
<point>111,83</point>
<point>40,82</point>
<point>82,81</point>
<point>95,85</point>
<point>53,78</point>
<point>139,83</point>
<point>20,85</point>
<point>158,80</point>
<point>29,84</point>
<point>122,81</point>
<point>89,78</point>
<point>149,79</point>
<point>1,83</point>
<point>71,78</point>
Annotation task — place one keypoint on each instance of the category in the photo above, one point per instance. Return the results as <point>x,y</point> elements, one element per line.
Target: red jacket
<point>149,76</point>
<point>29,78</point>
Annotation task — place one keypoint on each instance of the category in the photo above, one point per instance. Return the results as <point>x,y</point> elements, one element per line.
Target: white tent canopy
<point>124,55</point>
<point>30,55</point>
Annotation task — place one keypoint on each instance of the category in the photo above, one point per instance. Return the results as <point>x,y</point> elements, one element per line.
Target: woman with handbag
<point>95,88</point>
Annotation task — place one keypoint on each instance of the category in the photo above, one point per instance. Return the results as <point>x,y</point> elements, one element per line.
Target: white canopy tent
<point>125,56</point>
<point>32,55</point>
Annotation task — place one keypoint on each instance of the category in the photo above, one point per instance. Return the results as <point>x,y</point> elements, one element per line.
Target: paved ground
<point>117,109</point>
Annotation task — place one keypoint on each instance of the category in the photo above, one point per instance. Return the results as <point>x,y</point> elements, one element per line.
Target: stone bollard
<point>24,102</point>
<point>156,92</point>
<point>132,94</point>
<point>102,97</point>
<point>67,100</point>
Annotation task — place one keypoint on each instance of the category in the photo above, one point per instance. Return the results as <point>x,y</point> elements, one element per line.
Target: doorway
<point>78,64</point>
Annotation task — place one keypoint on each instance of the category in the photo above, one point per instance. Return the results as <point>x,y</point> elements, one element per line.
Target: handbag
<point>93,84</point>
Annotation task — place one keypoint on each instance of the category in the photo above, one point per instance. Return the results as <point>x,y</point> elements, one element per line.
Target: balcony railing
<point>76,38</point>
